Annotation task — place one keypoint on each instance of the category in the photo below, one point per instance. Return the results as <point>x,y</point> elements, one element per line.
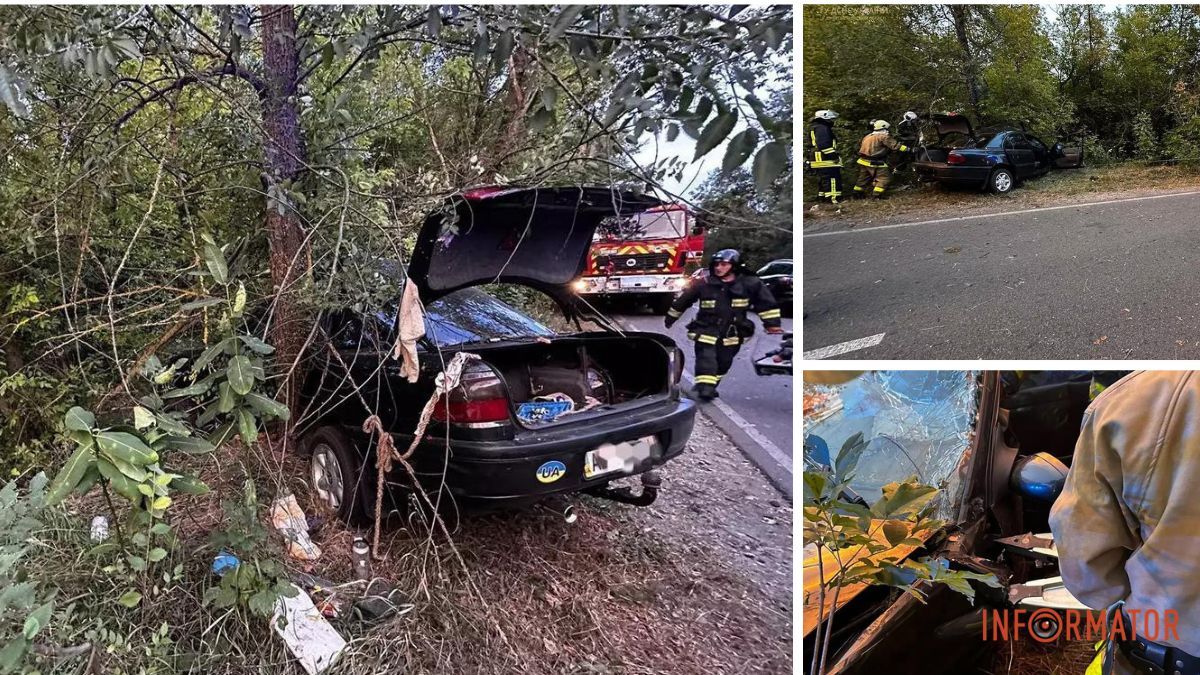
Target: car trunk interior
<point>590,372</point>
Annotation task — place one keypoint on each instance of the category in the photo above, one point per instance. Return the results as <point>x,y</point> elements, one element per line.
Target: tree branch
<point>255,81</point>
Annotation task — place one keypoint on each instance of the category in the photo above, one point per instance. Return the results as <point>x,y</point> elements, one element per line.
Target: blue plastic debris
<point>542,411</point>
<point>224,562</point>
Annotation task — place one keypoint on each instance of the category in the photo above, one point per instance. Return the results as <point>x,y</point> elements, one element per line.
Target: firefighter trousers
<point>714,356</point>
<point>830,183</point>
<point>872,178</point>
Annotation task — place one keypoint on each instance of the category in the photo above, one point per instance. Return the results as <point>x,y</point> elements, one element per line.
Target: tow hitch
<point>651,481</point>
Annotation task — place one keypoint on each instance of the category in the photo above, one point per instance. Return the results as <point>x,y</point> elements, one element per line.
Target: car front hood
<point>537,237</point>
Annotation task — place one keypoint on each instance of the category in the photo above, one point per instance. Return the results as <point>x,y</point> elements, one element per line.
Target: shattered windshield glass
<point>915,422</point>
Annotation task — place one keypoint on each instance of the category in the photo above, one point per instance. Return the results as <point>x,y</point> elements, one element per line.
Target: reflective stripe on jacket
<point>873,150</point>
<point>823,152</point>
<point>723,307</point>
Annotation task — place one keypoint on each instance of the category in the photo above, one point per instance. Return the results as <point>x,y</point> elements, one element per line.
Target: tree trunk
<point>284,160</point>
<point>518,85</point>
<point>970,65</point>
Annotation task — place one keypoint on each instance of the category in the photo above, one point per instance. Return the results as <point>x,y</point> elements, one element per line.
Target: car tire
<point>335,469</point>
<point>1001,181</point>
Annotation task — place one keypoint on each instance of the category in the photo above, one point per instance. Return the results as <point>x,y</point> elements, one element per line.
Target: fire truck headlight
<point>580,285</point>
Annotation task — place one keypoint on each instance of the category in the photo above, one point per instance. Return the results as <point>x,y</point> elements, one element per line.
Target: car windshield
<point>645,225</point>
<point>914,422</point>
<point>471,315</point>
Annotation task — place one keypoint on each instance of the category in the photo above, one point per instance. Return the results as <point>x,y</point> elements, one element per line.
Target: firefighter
<point>908,133</point>
<point>823,156</point>
<point>873,169</point>
<point>721,325</point>
<point>1125,524</point>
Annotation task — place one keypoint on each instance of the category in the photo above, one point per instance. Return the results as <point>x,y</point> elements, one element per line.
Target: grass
<point>622,591</point>
<point>1057,187</point>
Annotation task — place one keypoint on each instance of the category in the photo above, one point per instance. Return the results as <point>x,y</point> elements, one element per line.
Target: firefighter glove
<point>668,321</point>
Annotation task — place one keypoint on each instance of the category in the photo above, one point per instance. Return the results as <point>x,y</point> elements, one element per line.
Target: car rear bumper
<point>497,473</point>
<point>953,173</point>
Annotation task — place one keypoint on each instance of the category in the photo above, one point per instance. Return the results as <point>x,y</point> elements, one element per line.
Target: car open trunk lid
<point>537,237</point>
<point>949,123</point>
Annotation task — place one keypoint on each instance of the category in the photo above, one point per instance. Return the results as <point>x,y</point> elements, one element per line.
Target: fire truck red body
<point>646,257</point>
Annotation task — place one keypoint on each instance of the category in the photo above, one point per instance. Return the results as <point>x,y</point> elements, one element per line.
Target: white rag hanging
<point>411,328</point>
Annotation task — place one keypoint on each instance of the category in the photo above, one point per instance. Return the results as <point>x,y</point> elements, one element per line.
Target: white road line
<point>843,347</point>
<point>782,458</point>
<point>997,215</point>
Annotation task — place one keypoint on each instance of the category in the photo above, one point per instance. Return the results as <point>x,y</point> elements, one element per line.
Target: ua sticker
<point>551,471</point>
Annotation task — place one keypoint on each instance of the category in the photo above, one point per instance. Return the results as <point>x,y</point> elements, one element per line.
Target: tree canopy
<point>1124,80</point>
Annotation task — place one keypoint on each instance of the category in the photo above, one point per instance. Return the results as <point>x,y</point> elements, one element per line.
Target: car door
<point>1041,155</point>
<point>1066,155</point>
<point>1020,154</point>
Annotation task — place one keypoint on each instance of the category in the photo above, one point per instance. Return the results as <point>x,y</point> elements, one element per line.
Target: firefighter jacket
<point>823,152</point>
<point>721,317</point>
<point>873,150</point>
<point>1126,523</point>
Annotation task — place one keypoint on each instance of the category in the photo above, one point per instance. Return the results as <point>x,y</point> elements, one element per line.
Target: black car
<point>777,275</point>
<point>995,158</point>
<point>538,413</point>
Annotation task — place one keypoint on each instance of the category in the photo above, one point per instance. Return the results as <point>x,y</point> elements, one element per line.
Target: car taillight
<point>480,397</point>
<point>955,158</point>
<point>677,359</point>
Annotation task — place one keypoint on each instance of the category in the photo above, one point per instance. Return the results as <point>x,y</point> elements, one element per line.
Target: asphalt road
<point>1103,281</point>
<point>762,405</point>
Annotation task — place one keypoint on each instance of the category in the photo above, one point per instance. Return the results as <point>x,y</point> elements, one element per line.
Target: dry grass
<point>1060,187</point>
<point>1028,657</point>
<point>698,582</point>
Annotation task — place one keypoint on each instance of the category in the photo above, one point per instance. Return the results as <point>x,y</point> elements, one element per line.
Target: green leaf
<point>160,503</point>
<point>565,18</point>
<point>246,426</point>
<point>189,445</point>
<point>142,418</point>
<point>13,653</point>
<point>215,260</point>
<point>78,419</point>
<point>768,164</point>
<point>126,447</point>
<point>131,598</point>
<point>739,149</point>
<point>200,304</point>
<point>70,475</point>
<point>715,132</point>
<point>848,456</point>
<point>267,407</point>
<point>171,425</point>
<point>263,602</point>
<point>111,466</point>
<point>223,434</point>
<point>122,484</point>
<point>189,485</point>
<point>814,486</point>
<point>240,377</point>
<point>256,345</point>
<point>433,21</point>
<point>89,480</point>
<point>156,554</point>
<point>210,354</point>
<point>10,93</point>
<point>901,499</point>
<point>239,299</point>
<point>227,400</point>
<point>193,390</point>
<point>37,620</point>
<point>895,532</point>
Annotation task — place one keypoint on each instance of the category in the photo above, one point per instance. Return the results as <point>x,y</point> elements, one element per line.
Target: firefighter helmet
<point>728,255</point>
<point>910,116</point>
<point>825,115</point>
<point>881,125</point>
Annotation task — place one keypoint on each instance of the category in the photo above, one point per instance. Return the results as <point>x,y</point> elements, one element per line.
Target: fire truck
<point>646,257</point>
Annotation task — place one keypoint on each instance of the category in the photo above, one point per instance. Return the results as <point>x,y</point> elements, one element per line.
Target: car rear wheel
<point>1001,181</point>
<point>335,470</point>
